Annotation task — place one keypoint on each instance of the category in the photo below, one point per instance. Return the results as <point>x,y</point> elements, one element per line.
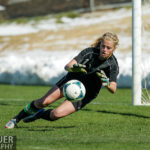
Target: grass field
<point>109,122</point>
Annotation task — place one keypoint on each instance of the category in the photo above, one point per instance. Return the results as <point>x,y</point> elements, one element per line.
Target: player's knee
<point>54,115</point>
<point>42,102</point>
<point>47,100</point>
<point>58,113</point>
<point>45,103</point>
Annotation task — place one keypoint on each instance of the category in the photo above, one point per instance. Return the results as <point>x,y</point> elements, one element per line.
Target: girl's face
<point>106,48</point>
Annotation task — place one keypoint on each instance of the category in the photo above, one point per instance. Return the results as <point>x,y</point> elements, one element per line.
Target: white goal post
<point>136,52</point>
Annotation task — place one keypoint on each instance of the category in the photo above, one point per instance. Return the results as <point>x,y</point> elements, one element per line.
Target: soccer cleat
<point>11,124</point>
<point>33,117</point>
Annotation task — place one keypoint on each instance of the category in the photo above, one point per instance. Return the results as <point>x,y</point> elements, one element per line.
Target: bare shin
<point>51,96</point>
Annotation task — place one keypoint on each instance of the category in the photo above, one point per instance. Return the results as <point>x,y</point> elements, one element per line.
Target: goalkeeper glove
<point>78,68</point>
<point>104,79</point>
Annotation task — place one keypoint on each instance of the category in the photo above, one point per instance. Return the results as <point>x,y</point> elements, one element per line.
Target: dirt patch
<point>75,38</point>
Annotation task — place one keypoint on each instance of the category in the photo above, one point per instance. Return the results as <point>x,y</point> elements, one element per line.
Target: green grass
<point>24,20</point>
<point>36,19</point>
<point>71,14</point>
<point>109,122</point>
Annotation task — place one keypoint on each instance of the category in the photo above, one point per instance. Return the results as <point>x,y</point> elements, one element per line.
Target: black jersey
<point>92,83</point>
<point>90,58</point>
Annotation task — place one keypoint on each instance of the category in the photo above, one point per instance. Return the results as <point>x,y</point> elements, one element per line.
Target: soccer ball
<point>74,90</point>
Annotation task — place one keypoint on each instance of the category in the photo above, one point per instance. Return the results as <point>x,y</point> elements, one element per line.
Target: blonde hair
<point>108,36</point>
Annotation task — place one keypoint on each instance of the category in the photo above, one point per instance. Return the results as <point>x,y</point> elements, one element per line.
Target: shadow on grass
<point>1,103</point>
<point>46,128</point>
<point>16,103</point>
<point>118,113</point>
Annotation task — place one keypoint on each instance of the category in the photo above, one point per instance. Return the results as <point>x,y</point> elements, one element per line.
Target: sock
<point>30,108</point>
<point>22,114</point>
<point>46,115</point>
<point>26,112</point>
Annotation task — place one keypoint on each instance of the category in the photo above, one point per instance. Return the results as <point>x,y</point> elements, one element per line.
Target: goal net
<point>145,97</point>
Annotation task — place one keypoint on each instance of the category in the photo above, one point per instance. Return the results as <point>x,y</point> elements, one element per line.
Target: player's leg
<point>51,96</point>
<point>65,109</point>
<point>35,106</point>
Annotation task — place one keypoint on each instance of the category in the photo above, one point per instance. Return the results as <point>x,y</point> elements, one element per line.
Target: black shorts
<point>91,82</point>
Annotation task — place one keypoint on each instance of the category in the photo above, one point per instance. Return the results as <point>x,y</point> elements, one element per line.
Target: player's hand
<point>78,68</point>
<point>104,79</point>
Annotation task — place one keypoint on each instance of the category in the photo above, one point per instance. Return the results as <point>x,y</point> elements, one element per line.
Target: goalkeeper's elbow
<point>67,68</point>
<point>111,88</point>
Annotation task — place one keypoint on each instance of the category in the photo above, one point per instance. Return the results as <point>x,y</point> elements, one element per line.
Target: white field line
<point>105,103</point>
<point>12,99</point>
<point>92,103</point>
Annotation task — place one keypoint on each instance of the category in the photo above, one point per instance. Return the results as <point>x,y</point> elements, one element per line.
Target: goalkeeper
<point>95,67</point>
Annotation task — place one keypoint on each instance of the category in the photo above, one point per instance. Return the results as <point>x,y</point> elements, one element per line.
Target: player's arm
<point>73,66</point>
<point>112,87</point>
<point>70,64</point>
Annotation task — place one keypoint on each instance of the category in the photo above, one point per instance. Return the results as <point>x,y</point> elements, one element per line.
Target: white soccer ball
<point>74,90</point>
